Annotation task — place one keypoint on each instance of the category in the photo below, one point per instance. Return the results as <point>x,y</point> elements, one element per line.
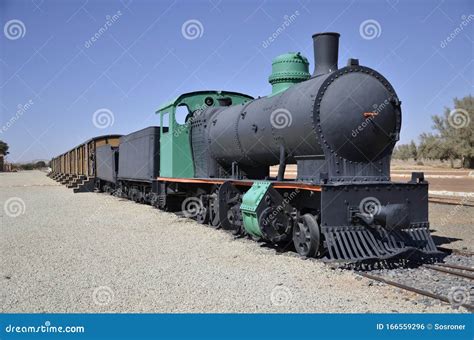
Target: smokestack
<point>326,50</point>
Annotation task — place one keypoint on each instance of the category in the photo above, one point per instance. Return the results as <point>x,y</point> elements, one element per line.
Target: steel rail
<point>413,289</point>
<point>450,201</point>
<point>455,266</point>
<point>450,271</point>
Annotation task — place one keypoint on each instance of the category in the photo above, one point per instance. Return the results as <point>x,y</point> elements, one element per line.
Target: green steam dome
<point>288,69</point>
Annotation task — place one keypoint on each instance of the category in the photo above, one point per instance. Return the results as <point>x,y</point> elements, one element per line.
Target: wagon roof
<point>90,140</point>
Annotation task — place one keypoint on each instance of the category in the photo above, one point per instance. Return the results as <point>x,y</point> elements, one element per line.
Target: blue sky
<point>53,77</point>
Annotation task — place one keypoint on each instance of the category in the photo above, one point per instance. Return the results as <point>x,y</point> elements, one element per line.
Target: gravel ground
<point>68,252</point>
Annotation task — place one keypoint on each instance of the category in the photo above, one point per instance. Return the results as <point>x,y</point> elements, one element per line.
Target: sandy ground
<point>426,164</point>
<point>452,226</point>
<point>65,252</point>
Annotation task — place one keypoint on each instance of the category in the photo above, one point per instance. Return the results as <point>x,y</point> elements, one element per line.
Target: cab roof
<point>190,94</point>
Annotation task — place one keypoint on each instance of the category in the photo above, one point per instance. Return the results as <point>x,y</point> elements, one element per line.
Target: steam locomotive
<point>338,125</point>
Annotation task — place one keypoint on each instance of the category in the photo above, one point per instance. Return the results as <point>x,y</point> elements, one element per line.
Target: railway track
<point>451,201</point>
<point>459,295</point>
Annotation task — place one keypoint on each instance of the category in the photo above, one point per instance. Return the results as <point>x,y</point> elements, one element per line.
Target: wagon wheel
<point>214,221</point>
<point>202,210</point>
<point>307,236</point>
<point>160,201</point>
<point>229,206</point>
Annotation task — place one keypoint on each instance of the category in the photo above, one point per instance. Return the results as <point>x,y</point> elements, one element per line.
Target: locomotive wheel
<point>233,218</point>
<point>275,228</point>
<point>306,236</point>
<point>229,206</point>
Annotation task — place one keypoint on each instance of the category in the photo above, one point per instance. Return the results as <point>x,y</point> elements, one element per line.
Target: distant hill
<point>34,161</point>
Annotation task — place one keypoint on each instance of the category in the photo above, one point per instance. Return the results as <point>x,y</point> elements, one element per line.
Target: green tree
<point>454,133</point>
<point>3,148</point>
<point>27,166</point>
<point>413,151</point>
<point>40,164</point>
<point>430,147</point>
<point>402,152</point>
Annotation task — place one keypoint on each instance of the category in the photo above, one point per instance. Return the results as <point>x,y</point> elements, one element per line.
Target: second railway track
<point>451,201</point>
<point>451,282</point>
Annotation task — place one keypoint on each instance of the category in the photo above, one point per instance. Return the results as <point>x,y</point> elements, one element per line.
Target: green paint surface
<point>287,70</point>
<point>176,159</point>
<point>250,202</point>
